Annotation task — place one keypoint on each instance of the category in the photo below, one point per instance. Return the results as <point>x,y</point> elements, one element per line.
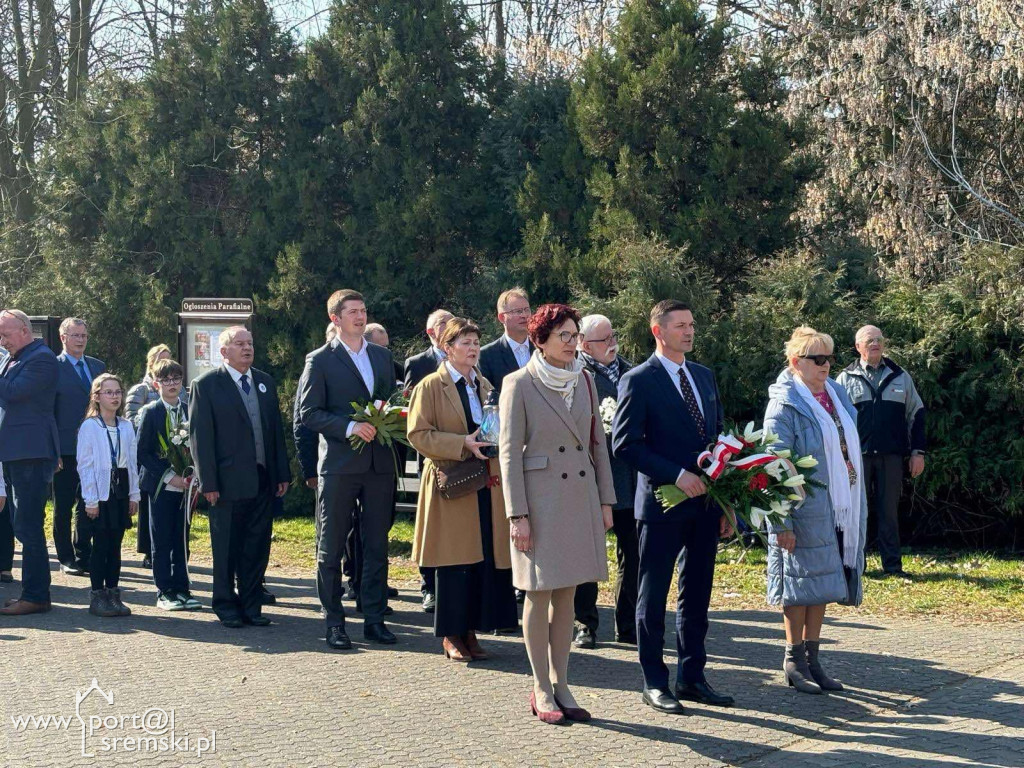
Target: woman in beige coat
<point>558,489</point>
<point>465,538</point>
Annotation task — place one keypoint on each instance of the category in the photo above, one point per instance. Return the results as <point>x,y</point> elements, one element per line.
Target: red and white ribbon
<point>718,457</point>
<point>757,460</point>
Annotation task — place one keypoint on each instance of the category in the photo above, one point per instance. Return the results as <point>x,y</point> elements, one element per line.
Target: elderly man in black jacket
<point>240,456</point>
<point>599,350</point>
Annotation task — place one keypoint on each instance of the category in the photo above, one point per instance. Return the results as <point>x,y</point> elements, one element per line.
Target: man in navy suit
<point>350,370</point>
<point>29,448</point>
<point>77,371</point>
<point>511,351</point>
<point>417,368</point>
<point>669,410</point>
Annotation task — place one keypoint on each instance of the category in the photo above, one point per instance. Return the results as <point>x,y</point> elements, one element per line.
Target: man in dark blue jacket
<point>669,410</point>
<point>512,350</point>
<point>77,371</point>
<point>29,448</point>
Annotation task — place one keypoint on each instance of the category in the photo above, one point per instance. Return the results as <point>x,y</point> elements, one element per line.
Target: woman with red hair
<point>558,489</point>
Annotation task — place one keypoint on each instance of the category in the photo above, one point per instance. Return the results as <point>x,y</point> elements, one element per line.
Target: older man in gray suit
<point>350,370</point>
<point>29,447</point>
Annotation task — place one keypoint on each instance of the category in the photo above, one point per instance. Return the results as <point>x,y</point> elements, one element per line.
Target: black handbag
<point>462,478</point>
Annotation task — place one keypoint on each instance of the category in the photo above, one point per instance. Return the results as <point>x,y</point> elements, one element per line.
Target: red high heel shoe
<point>551,718</point>
<point>576,714</point>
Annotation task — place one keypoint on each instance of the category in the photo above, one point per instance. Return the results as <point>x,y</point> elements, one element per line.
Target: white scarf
<point>845,497</point>
<point>561,380</point>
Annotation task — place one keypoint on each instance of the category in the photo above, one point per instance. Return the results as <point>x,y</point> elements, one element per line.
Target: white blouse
<point>94,459</point>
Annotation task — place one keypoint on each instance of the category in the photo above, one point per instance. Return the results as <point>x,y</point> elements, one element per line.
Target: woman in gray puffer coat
<point>816,555</point>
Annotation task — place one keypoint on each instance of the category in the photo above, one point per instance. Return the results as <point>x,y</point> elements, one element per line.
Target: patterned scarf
<point>613,371</point>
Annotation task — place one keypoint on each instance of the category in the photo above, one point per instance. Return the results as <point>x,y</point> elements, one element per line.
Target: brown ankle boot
<point>475,650</point>
<point>455,649</point>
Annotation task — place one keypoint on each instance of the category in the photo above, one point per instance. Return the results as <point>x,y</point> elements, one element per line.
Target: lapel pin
<point>263,388</point>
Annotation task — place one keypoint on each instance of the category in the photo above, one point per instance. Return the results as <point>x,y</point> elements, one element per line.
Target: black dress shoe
<point>267,598</point>
<point>378,633</point>
<point>146,562</point>
<point>71,569</point>
<point>626,639</point>
<point>584,638</point>
<point>663,701</point>
<point>350,594</point>
<point>429,602</point>
<point>703,693</point>
<point>232,623</point>
<point>520,596</point>
<point>392,592</point>
<point>388,610</point>
<point>258,621</point>
<point>338,639</point>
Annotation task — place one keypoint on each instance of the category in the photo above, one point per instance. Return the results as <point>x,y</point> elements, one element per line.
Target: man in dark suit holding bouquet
<point>350,370</point>
<point>240,457</point>
<point>669,409</point>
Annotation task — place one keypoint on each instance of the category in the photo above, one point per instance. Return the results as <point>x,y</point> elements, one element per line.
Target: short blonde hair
<point>511,293</point>
<point>153,354</point>
<point>804,339</point>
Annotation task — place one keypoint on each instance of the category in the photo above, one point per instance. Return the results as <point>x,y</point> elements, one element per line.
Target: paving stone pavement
<point>921,693</point>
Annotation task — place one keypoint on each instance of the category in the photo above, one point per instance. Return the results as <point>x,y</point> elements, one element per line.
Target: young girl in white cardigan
<point>108,469</point>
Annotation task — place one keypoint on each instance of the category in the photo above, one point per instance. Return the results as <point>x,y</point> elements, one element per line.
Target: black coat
<point>306,441</point>
<point>329,385</point>
<point>223,445</point>
<point>152,466</point>
<point>28,390</point>
<point>497,360</point>
<point>623,475</point>
<point>418,367</point>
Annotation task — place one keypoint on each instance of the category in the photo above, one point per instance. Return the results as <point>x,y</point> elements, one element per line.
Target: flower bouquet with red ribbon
<point>750,480</point>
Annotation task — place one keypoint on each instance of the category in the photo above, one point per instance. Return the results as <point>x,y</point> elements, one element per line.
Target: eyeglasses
<point>518,312</point>
<point>112,392</point>
<point>875,340</point>
<point>171,380</point>
<point>819,360</point>
<point>568,338</point>
<point>77,336</point>
<point>606,340</point>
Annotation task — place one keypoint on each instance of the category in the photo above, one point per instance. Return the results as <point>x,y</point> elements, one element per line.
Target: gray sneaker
<point>115,602</point>
<point>191,604</point>
<point>99,604</point>
<point>168,601</point>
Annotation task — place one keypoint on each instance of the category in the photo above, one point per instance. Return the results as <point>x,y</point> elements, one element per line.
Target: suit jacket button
<point>582,473</point>
<point>565,476</point>
<point>561,449</point>
<point>579,447</point>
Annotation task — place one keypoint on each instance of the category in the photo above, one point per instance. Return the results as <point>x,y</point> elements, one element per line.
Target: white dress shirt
<point>361,358</point>
<point>178,408</point>
<point>673,373</point>
<point>475,407</point>
<point>237,375</point>
<point>521,351</point>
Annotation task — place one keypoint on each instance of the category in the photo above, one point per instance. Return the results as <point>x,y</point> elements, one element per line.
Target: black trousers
<point>627,556</point>
<point>105,558</point>
<point>143,541</point>
<point>336,507</point>
<point>240,538</point>
<point>884,483</point>
<point>69,515</point>
<point>693,542</point>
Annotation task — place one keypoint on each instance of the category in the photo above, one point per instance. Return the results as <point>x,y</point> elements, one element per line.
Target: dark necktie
<point>464,397</point>
<point>245,384</point>
<point>83,373</point>
<point>691,402</point>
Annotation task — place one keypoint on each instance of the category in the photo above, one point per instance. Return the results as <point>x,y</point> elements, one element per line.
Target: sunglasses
<point>819,360</point>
